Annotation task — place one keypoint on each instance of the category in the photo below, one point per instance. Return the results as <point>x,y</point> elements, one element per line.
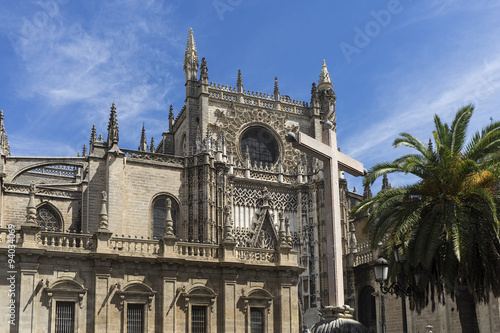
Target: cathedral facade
<point>220,227</point>
<point>217,228</point>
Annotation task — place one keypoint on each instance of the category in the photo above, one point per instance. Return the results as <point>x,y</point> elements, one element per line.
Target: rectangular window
<point>135,318</point>
<point>199,319</point>
<point>256,320</point>
<point>65,317</point>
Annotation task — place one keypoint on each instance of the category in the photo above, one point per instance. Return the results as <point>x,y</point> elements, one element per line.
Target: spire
<point>93,136</point>
<point>171,119</point>
<point>143,146</point>
<point>324,78</point>
<point>152,145</point>
<point>84,150</point>
<point>4,143</point>
<point>191,59</point>
<point>314,93</point>
<point>239,82</point>
<point>385,183</point>
<point>276,89</point>
<point>430,145</point>
<point>203,72</point>
<point>112,127</point>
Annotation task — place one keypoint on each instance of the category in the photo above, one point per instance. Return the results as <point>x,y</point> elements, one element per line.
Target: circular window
<point>260,144</point>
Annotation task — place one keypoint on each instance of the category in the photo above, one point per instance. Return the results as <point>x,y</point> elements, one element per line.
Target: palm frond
<point>459,128</point>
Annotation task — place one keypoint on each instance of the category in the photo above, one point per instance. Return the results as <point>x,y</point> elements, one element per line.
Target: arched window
<point>48,218</point>
<point>260,144</point>
<point>160,213</point>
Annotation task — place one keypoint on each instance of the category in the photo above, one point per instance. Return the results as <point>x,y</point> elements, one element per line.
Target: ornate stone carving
<point>237,118</point>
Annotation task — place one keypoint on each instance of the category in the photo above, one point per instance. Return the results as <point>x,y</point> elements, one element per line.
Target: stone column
<point>27,282</point>
<point>230,299</point>
<point>104,291</point>
<point>288,304</point>
<point>169,298</point>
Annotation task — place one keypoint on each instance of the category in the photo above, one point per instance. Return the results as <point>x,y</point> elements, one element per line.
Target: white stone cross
<point>333,161</point>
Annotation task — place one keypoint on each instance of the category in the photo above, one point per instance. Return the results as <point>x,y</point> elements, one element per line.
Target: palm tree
<point>448,221</point>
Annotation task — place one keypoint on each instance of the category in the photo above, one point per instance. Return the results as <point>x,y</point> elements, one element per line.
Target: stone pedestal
<point>101,240</point>
<point>29,232</point>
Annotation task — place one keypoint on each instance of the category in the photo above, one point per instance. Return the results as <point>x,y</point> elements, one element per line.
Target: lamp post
<point>398,288</point>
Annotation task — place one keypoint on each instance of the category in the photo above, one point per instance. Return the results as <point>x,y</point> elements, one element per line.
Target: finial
<point>430,145</point>
<point>4,142</point>
<point>143,145</point>
<point>31,208</point>
<point>191,59</point>
<point>282,231</point>
<point>353,243</point>
<point>190,42</point>
<point>2,127</point>
<point>152,145</point>
<point>239,82</point>
<point>276,89</point>
<point>171,119</point>
<point>325,82</point>
<point>385,183</point>
<point>169,223</point>
<point>93,136</point>
<point>112,127</point>
<point>84,150</point>
<point>103,215</point>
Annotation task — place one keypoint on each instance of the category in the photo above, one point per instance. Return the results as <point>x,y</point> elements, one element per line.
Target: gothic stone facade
<point>219,228</point>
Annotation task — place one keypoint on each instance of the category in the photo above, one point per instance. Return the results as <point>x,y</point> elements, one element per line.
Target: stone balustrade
<point>197,250</point>
<point>253,98</point>
<point>64,240</point>
<point>134,246</point>
<point>106,243</point>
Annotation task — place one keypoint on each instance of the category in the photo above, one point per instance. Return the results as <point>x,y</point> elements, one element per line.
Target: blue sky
<point>394,64</point>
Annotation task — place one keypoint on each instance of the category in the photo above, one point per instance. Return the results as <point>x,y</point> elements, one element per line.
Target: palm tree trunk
<point>466,307</point>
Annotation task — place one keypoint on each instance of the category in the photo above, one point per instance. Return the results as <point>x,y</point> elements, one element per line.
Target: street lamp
<point>381,268</point>
<point>398,288</point>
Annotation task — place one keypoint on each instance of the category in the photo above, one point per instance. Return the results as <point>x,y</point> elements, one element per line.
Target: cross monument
<point>333,161</point>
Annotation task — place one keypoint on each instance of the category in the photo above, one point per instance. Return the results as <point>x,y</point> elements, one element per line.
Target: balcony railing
<point>105,243</point>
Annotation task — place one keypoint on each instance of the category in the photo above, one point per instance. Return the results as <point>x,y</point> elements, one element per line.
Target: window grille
<point>65,317</point>
<point>199,319</point>
<point>256,320</point>
<point>261,145</point>
<point>134,318</point>
<point>47,219</point>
